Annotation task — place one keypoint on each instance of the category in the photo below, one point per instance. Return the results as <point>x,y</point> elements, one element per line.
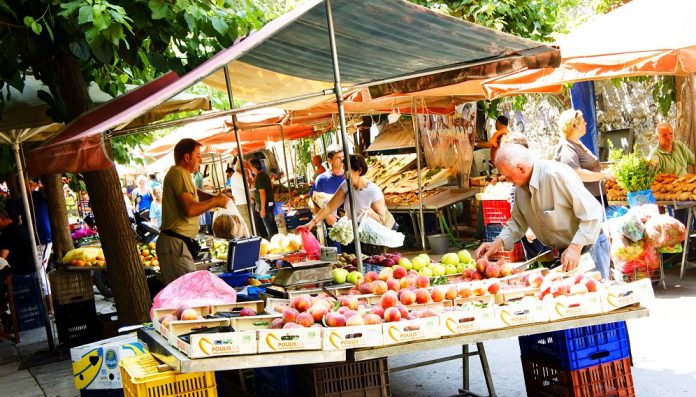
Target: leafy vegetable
<point>632,171</point>
<point>342,231</point>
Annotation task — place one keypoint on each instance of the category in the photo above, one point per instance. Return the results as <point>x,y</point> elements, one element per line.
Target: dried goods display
<point>666,187</point>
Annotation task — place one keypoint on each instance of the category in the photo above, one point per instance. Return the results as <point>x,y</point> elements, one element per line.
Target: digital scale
<point>299,275</point>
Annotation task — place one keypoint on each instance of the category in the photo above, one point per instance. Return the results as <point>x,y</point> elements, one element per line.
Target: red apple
<point>392,314</point>
<point>407,297</point>
<point>389,299</point>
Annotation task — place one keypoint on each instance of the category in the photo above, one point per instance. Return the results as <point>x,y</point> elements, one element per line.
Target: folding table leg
<point>481,352</point>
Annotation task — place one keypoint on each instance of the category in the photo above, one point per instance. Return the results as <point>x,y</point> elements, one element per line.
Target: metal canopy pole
<point>30,225</point>
<point>344,136</point>
<point>285,158</point>
<point>416,130</point>
<point>240,155</point>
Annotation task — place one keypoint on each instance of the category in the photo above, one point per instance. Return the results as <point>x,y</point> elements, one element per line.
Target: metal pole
<point>416,130</point>
<point>285,158</point>
<point>344,136</point>
<point>240,155</point>
<point>30,225</point>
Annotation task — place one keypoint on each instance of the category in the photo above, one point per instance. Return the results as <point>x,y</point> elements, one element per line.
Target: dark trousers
<point>269,223</point>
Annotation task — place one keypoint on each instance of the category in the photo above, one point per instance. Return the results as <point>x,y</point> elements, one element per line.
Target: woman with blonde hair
<point>142,197</point>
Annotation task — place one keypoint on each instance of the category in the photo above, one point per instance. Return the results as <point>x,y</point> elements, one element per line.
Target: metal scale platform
<point>300,275</point>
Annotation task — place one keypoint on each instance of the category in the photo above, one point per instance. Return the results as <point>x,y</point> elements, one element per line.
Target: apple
<point>451,269</point>
<point>290,315</point>
<point>354,277</point>
<point>419,263</point>
<point>392,314</point>
<point>464,256</point>
<point>393,285</point>
<point>449,259</point>
<point>379,287</point>
<point>407,297</point>
<point>371,276</point>
<point>301,302</point>
<point>422,282</point>
<point>355,320</point>
<point>425,256</point>
<point>422,295</point>
<point>189,314</point>
<point>305,319</point>
<point>437,294</point>
<point>389,299</point>
<point>405,263</point>
<point>461,267</point>
<point>426,271</point>
<point>340,275</point>
<point>399,272</point>
<point>438,270</point>
<point>371,318</point>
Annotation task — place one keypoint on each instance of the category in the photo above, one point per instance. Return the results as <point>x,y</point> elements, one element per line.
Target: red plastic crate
<point>496,211</point>
<point>516,255</point>
<point>604,380</point>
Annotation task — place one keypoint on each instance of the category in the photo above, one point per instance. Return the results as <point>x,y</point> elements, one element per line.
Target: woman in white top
<point>367,196</point>
<point>238,195</point>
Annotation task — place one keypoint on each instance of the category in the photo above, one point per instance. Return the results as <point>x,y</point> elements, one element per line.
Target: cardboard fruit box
<point>340,338</point>
<point>203,345</point>
<point>622,295</point>
<point>289,339</point>
<point>164,330</point>
<point>410,330</point>
<point>466,320</point>
<point>574,305</point>
<point>526,311</point>
<point>95,365</point>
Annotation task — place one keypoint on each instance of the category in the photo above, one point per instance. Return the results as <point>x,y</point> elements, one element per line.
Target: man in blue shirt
<point>329,181</point>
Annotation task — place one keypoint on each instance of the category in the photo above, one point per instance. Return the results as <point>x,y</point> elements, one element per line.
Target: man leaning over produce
<point>673,157</point>
<point>551,200</point>
<point>182,204</point>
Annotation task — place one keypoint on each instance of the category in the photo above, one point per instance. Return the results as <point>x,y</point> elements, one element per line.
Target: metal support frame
<point>285,157</point>
<point>342,121</point>
<point>416,130</point>
<point>34,252</point>
<point>685,254</point>
<point>240,155</point>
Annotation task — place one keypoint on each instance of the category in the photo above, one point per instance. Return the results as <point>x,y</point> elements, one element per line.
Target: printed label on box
<point>532,311</point>
<point>95,366</point>
<point>410,330</point>
<point>290,339</point>
<point>575,305</point>
<point>459,322</point>
<point>622,295</point>
<point>340,338</point>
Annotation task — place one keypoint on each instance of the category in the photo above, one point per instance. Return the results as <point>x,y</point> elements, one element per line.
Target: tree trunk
<point>685,130</point>
<point>57,215</point>
<point>126,273</point>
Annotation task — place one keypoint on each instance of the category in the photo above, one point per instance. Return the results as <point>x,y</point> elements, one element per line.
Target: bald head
<point>515,162</point>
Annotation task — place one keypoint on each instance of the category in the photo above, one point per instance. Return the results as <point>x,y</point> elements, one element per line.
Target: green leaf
<point>160,10</point>
<point>28,20</point>
<point>123,78</point>
<point>80,49</point>
<point>49,30</point>
<point>5,8</point>
<point>36,27</point>
<point>85,15</point>
<point>219,24</point>
<point>69,8</point>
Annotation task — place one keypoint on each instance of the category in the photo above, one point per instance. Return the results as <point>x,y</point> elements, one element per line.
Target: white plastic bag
<point>229,224</point>
<point>373,232</point>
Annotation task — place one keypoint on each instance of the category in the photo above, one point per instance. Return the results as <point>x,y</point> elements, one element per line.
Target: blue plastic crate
<point>578,348</point>
<point>275,381</point>
<point>237,279</point>
<point>368,267</point>
<point>27,301</point>
<point>493,230</point>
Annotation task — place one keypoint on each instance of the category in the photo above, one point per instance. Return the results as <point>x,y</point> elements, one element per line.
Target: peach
<point>478,289</point>
<point>412,273</point>
<point>494,287</point>
<point>189,314</point>
<point>559,288</point>
<point>578,278</point>
<point>291,325</point>
<point>389,299</point>
<point>318,310</point>
<point>422,295</point>
<point>372,318</point>
<point>482,264</point>
<point>399,272</point>
<point>279,308</point>
<point>277,323</point>
<point>166,320</point>
<point>407,297</point>
<point>506,269</point>
<point>290,315</point>
<point>403,310</point>
<point>535,280</point>
<point>377,310</point>
<point>392,314</point>
<point>393,284</point>
<point>466,273</point>
<point>355,320</point>
<point>437,294</point>
<point>371,276</point>
<point>386,274</point>
<point>365,288</point>
<point>379,287</point>
<point>428,312</point>
<point>407,282</point>
<point>349,301</point>
<point>492,271</point>
<point>578,289</point>
<point>301,303</point>
<point>590,283</point>
<point>464,291</point>
<point>476,275</point>
<point>247,312</point>
<point>422,282</point>
<point>354,291</point>
<point>451,292</point>
<point>304,319</point>
<point>334,319</point>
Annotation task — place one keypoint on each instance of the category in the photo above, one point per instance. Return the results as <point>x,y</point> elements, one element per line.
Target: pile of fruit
<point>281,244</point>
<point>346,260</point>
<point>396,199</point>
<point>148,255</point>
<point>666,187</point>
<point>554,285</point>
<point>220,248</point>
<point>85,257</point>
<point>387,259</point>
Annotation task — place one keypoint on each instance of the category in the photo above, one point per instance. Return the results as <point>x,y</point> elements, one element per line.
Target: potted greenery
<point>635,174</point>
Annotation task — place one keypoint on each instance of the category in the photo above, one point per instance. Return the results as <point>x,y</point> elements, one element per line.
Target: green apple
<point>461,267</point>
<point>354,277</point>
<point>451,269</point>
<point>425,256</point>
<point>464,256</point>
<point>340,275</point>
<point>426,271</point>
<point>419,263</point>
<point>438,270</point>
<point>406,263</point>
<point>450,259</point>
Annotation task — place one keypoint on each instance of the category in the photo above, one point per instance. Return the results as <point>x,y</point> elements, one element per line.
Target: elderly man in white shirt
<point>551,200</point>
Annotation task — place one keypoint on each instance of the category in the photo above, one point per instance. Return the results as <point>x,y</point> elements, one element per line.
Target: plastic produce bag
<point>229,224</point>
<point>631,227</point>
<point>194,289</point>
<point>373,232</point>
<point>342,231</point>
<point>641,197</point>
<point>310,243</point>
<point>664,231</point>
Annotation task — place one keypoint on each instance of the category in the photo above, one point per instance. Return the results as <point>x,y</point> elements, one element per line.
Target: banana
<point>505,316</point>
<point>560,309</point>
<point>393,328</point>
<point>87,368</point>
<point>611,298</point>
<point>331,336</point>
<point>203,344</point>
<point>451,325</point>
<point>270,341</point>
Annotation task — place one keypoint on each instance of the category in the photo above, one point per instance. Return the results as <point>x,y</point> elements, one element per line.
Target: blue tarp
<point>582,96</point>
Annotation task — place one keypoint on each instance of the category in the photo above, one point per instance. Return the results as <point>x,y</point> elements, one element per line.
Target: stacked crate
<point>496,213</point>
<point>587,361</point>
<point>27,302</point>
<point>74,307</point>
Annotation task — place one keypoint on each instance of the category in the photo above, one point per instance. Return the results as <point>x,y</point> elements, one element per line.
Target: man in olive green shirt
<point>551,200</point>
<point>182,203</point>
<point>673,157</point>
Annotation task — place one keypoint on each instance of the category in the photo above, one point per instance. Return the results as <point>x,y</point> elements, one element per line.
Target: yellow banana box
<point>204,345</point>
<point>410,330</point>
<point>95,365</point>
<point>622,295</point>
<point>341,338</point>
<point>526,311</point>
<point>574,305</point>
<point>466,320</point>
<point>289,339</point>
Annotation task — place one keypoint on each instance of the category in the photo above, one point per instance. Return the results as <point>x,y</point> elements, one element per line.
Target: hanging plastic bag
<point>664,231</point>
<point>310,243</point>
<point>640,197</point>
<point>228,223</point>
<point>342,231</point>
<point>373,232</point>
<point>194,289</point>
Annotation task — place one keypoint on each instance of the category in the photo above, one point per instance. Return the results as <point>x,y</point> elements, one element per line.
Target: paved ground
<point>663,356</point>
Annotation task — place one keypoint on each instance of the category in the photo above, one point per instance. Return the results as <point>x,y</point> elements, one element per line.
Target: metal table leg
<point>481,352</point>
<point>685,253</point>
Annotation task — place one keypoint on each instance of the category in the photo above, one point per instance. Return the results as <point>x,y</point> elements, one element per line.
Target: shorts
<point>174,258</point>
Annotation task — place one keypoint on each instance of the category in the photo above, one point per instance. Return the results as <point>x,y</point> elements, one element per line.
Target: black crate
<point>77,323</point>
<point>101,393</point>
<point>347,379</point>
<point>27,302</point>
